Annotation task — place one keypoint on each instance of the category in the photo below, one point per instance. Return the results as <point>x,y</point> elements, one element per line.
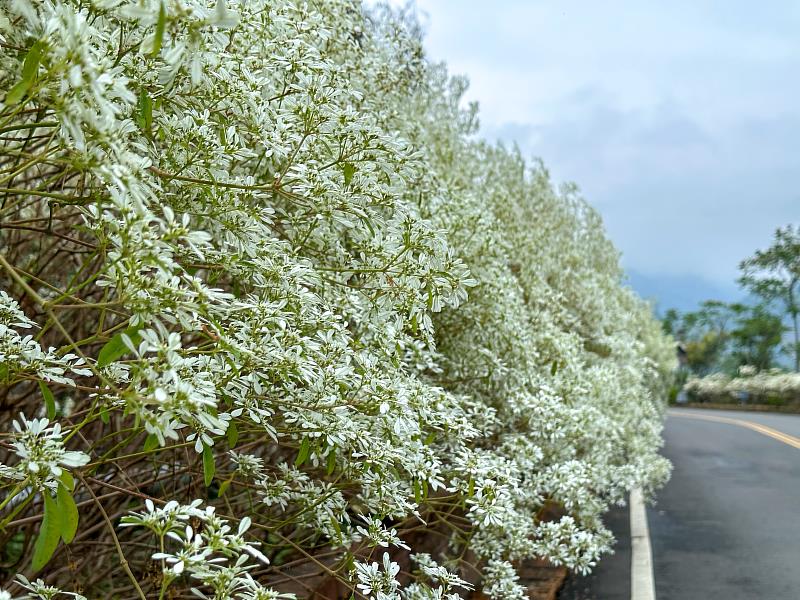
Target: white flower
<point>41,453</point>
<point>40,590</point>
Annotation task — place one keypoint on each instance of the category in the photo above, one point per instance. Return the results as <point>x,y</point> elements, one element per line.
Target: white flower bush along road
<point>758,386</point>
<point>272,312</point>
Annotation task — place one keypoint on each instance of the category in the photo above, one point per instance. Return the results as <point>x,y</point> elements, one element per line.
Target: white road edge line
<point>642,582</point>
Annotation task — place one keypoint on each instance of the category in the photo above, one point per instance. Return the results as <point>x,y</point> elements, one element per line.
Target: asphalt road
<point>727,525</point>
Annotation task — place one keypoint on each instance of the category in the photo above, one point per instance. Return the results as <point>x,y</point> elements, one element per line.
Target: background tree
<point>774,275</point>
<point>704,334</point>
<point>756,337</point>
<point>722,337</point>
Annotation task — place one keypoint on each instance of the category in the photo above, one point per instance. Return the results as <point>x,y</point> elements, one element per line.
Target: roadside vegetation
<point>274,321</point>
<point>747,352</point>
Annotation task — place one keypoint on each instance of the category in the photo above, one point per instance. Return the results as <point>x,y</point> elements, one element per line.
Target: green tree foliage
<point>755,337</point>
<point>704,334</point>
<point>774,275</point>
<point>722,337</point>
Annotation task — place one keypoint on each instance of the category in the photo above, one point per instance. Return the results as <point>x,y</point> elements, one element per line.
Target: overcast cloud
<point>680,121</point>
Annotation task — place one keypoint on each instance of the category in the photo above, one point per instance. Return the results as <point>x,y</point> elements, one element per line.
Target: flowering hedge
<point>772,387</point>
<point>271,311</point>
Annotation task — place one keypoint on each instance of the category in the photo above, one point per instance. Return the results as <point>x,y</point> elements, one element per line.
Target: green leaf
<point>224,487</point>
<point>30,68</point>
<point>336,526</point>
<point>417,491</point>
<point>17,92</point>
<point>554,368</point>
<point>331,467</point>
<point>232,434</point>
<point>150,442</point>
<point>67,480</point>
<point>302,455</point>
<point>32,61</point>
<point>104,416</point>
<point>116,348</point>
<point>144,112</point>
<point>349,170</point>
<point>161,26</point>
<point>49,534</point>
<point>69,514</point>
<point>209,468</point>
<point>49,400</point>
<point>14,547</point>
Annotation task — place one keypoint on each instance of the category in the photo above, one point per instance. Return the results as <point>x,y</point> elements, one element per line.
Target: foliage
<point>774,275</point>
<point>723,337</point>
<point>237,247</point>
<point>756,337</point>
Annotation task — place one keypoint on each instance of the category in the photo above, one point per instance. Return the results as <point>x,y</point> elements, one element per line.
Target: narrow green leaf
<point>69,514</point>
<point>104,416</point>
<point>49,400</point>
<point>49,534</point>
<point>161,26</point>
<point>144,112</point>
<point>32,60</point>
<point>302,455</point>
<point>224,487</point>
<point>349,170</point>
<point>209,468</point>
<point>150,442</point>
<point>554,368</point>
<point>417,491</point>
<point>331,467</point>
<point>30,67</point>
<point>116,348</point>
<point>336,526</point>
<point>232,434</point>
<point>17,92</point>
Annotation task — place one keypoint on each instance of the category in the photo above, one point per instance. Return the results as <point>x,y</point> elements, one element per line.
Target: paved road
<point>727,525</point>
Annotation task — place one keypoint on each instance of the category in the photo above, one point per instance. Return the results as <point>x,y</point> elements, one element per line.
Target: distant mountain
<point>684,292</point>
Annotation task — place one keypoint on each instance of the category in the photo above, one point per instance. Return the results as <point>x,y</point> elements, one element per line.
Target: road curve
<point>727,525</point>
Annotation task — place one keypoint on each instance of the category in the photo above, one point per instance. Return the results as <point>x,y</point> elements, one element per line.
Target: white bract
<point>41,454</point>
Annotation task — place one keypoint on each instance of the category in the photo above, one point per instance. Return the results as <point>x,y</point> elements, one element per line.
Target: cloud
<point>679,120</point>
<point>676,198</point>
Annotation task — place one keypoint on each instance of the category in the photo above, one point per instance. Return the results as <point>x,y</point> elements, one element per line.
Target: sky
<point>679,121</point>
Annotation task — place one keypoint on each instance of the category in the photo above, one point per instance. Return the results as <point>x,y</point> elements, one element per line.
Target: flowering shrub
<point>773,386</point>
<point>271,312</point>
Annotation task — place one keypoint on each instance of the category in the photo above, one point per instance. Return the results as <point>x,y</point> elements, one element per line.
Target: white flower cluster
<point>39,590</point>
<point>213,554</point>
<point>40,453</point>
<point>23,356</point>
<point>271,215</point>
